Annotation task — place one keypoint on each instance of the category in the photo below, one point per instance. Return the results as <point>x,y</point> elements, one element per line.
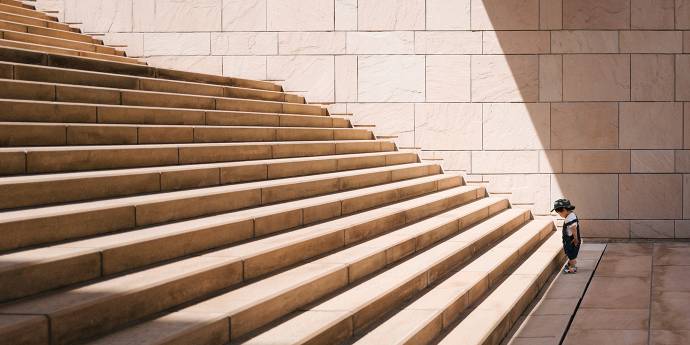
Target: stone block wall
<point>587,99</point>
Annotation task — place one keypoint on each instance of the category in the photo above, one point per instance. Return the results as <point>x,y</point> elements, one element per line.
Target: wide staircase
<point>143,205</point>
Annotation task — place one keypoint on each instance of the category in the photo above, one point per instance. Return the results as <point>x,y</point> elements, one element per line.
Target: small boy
<point>571,233</point>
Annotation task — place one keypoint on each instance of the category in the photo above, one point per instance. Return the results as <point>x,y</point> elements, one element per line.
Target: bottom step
<point>491,320</point>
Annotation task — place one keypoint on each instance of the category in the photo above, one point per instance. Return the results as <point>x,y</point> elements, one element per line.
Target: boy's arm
<point>573,229</point>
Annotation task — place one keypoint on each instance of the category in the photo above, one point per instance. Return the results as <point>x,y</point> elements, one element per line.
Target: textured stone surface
<point>448,42</point>
<point>313,74</point>
<point>393,42</point>
<point>651,125</point>
<point>551,161</point>
<point>571,120</point>
<point>596,77</point>
<point>505,162</point>
<point>682,14</point>
<point>652,229</point>
<point>596,14</point>
<point>252,67</point>
<point>448,14</point>
<point>646,196</point>
<point>550,78</point>
<point>346,78</point>
<point>103,15</point>
<point>551,14</point>
<point>244,15</point>
<point>606,228</point>
<point>516,42</point>
<point>519,126</point>
<point>390,118</point>
<point>651,41</point>
<point>375,84</point>
<point>133,42</point>
<point>448,78</point>
<point>177,43</point>
<point>310,43</point>
<point>594,195</point>
<point>652,14</point>
<point>300,15</point>
<point>244,43</point>
<point>596,161</point>
<point>453,126</point>
<point>505,15</point>
<point>580,41</point>
<point>683,77</point>
<point>346,14</point>
<point>499,78</point>
<point>200,64</point>
<point>652,161</point>
<point>184,16</point>
<point>390,14</point>
<point>653,77</point>
<point>525,189</point>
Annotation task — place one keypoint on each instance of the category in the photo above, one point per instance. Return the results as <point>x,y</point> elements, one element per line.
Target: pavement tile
<point>671,310</point>
<point>671,278</point>
<point>618,293</point>
<point>610,319</point>
<point>672,254</point>
<point>606,337</point>
<point>664,337</point>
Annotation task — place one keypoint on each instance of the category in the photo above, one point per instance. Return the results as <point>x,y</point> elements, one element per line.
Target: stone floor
<point>639,293</point>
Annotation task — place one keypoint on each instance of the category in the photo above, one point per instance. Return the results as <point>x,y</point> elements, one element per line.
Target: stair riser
<point>82,189</point>
<point>56,42</point>
<point>242,325</point>
<point>8,43</point>
<point>34,162</point>
<point>16,4</point>
<point>15,134</point>
<point>43,31</point>
<point>33,21</point>
<point>34,231</point>
<point>25,12</point>
<point>87,64</point>
<point>67,327</point>
<point>502,330</point>
<point>76,94</point>
<point>77,77</point>
<point>91,265</point>
<point>364,318</point>
<point>17,111</point>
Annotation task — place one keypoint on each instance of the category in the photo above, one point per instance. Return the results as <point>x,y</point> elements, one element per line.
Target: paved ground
<point>638,295</point>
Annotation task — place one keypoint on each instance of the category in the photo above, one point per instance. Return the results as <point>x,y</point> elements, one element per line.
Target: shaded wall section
<point>542,98</point>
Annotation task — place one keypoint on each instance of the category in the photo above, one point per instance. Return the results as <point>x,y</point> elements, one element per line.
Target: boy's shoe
<point>569,270</point>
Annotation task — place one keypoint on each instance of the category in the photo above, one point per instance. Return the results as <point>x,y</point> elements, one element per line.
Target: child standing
<point>571,233</point>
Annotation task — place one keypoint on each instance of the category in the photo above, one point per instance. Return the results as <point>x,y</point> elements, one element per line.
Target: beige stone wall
<point>542,98</point>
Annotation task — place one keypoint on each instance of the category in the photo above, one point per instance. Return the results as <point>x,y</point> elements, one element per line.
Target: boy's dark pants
<point>569,248</point>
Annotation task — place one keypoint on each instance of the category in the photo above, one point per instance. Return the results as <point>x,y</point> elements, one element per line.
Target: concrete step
<point>39,111</point>
<point>27,72</point>
<point>32,271</point>
<point>43,225</point>
<point>425,319</point>
<point>121,300</point>
<point>57,42</point>
<point>491,320</point>
<point>39,91</point>
<point>18,161</point>
<point>26,12</point>
<point>254,305</point>
<point>41,190</point>
<point>17,4</point>
<point>13,134</point>
<point>9,43</point>
<point>352,311</point>
<point>27,56</point>
<point>49,32</point>
<point>18,18</point>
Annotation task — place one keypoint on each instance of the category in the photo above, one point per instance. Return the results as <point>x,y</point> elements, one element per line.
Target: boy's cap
<point>563,203</point>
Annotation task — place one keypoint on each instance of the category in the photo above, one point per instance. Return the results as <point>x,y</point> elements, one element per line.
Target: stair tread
<point>76,36</point>
<point>129,96</point>
<point>60,42</point>
<point>102,79</point>
<point>66,51</point>
<point>246,297</point>
<point>409,321</point>
<point>63,304</point>
<point>26,12</point>
<point>484,319</point>
<point>134,171</point>
<point>12,216</point>
<point>155,146</point>
<point>121,241</point>
<point>356,299</point>
<point>15,17</point>
<point>197,114</point>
